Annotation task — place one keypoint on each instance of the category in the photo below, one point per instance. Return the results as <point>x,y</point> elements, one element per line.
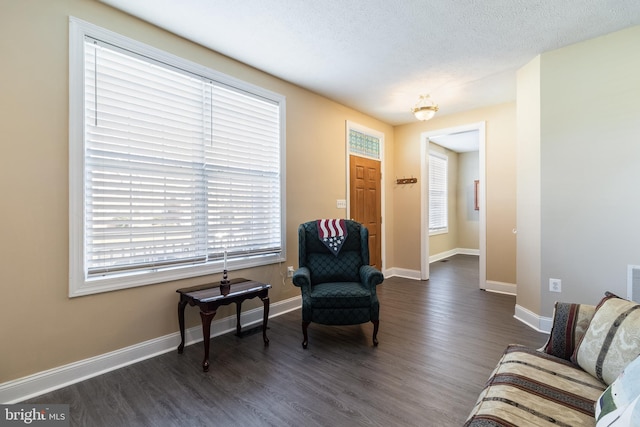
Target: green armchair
<point>338,287</point>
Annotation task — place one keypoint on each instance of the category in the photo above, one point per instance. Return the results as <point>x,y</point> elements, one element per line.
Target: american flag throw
<point>333,233</point>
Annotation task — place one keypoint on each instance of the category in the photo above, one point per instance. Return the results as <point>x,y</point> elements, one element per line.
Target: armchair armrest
<point>370,277</point>
<point>302,278</point>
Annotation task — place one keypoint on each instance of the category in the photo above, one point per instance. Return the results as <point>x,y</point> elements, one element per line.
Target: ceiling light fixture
<point>425,108</point>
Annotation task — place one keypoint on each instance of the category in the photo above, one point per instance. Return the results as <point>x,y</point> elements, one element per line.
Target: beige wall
<point>578,172</point>
<point>468,219</point>
<point>41,327</point>
<point>528,182</point>
<point>590,167</point>
<point>500,188</point>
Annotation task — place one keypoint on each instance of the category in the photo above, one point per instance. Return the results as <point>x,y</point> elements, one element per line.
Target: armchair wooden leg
<point>305,342</point>
<point>376,324</point>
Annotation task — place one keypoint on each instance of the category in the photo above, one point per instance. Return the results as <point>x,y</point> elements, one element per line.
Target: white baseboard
<point>402,272</point>
<point>43,382</point>
<point>442,255</point>
<point>501,287</point>
<point>529,318</point>
<point>466,251</point>
<point>452,252</point>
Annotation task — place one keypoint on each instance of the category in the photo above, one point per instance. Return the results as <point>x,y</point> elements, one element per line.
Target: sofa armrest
<point>524,375</point>
<point>570,322</point>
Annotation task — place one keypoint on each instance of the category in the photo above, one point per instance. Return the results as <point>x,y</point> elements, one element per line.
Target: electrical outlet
<point>555,285</point>
<point>290,271</point>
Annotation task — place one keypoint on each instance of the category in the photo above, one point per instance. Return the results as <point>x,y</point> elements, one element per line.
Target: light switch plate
<point>341,204</point>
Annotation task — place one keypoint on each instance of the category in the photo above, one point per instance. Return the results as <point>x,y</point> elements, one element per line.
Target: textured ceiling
<point>378,56</point>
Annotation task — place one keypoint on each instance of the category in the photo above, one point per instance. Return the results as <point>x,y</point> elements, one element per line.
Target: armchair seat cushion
<point>340,295</point>
<point>341,316</point>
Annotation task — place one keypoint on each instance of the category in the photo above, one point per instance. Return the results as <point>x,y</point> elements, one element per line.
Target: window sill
<point>436,232</point>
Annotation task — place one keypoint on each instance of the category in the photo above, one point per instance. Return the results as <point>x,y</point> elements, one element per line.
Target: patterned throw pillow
<point>570,322</point>
<point>612,339</point>
<point>619,405</point>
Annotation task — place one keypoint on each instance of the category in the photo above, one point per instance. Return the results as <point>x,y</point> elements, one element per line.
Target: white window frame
<point>79,283</point>
<point>439,230</point>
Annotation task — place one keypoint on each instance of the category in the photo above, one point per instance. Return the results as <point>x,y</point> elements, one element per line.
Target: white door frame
<point>424,195</point>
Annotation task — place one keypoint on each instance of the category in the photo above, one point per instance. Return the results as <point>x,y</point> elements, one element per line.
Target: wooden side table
<point>211,296</point>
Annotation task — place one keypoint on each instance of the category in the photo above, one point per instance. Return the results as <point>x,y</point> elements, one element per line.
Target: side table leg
<point>238,326</point>
<point>265,318</point>
<point>206,317</point>
<point>181,305</point>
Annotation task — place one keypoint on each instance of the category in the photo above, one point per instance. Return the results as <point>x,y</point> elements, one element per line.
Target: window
<point>438,193</point>
<point>171,166</point>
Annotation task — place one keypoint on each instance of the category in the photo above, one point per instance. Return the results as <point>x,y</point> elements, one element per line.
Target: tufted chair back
<point>324,265</point>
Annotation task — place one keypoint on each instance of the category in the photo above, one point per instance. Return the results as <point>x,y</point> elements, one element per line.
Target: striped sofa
<point>569,380</point>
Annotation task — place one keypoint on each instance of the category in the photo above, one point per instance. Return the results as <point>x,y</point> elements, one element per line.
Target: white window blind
<point>438,200</point>
<point>178,168</point>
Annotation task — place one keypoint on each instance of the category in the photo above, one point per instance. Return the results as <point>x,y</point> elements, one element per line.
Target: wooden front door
<point>365,202</point>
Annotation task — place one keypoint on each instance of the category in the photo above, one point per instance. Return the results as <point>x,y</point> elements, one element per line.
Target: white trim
<point>452,252</point>
<point>442,255</point>
<point>437,231</point>
<point>424,207</point>
<point>465,251</point>
<point>501,287</point>
<point>529,318</point>
<point>482,202</point>
<point>43,382</point>
<point>405,273</point>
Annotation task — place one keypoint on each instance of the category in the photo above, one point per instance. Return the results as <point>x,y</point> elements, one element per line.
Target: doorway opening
<point>456,139</point>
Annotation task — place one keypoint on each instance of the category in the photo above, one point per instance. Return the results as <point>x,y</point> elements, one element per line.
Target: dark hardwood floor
<point>439,341</point>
